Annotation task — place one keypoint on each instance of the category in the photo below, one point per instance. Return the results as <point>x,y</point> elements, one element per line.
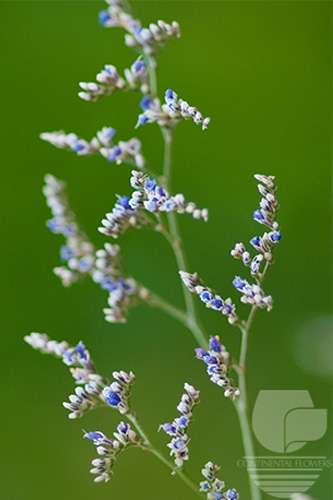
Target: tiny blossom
<point>122,218</point>
<point>152,39</point>
<point>153,198</point>
<point>125,151</point>
<point>177,429</point>
<point>177,109</point>
<point>253,294</point>
<point>209,297</point>
<point>213,487</point>
<point>218,362</point>
<point>81,367</point>
<point>109,449</point>
<point>169,113</point>
<point>136,78</point>
<point>117,394</point>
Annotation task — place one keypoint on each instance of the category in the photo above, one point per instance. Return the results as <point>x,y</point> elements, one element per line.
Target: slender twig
<point>148,446</point>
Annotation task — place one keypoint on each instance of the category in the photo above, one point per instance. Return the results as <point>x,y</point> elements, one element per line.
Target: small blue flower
<point>81,350</point>
<point>69,230</point>
<point>238,283</point>
<point>150,184</point>
<point>256,242</point>
<point>169,428</point>
<point>183,421</point>
<point>206,296</point>
<point>94,436</point>
<point>142,119</point>
<point>77,146</point>
<point>115,153</point>
<point>218,495</point>
<point>123,201</point>
<point>84,265</point>
<point>169,94</point>
<point>179,444</point>
<point>104,17</point>
<point>146,103</point>
<point>138,65</point>
<point>122,428</point>
<point>258,216</point>
<point>214,344</point>
<point>53,225</point>
<point>200,353</point>
<point>216,304</point>
<point>112,398</point>
<point>232,494</point>
<point>65,253</point>
<point>108,284</point>
<point>151,206</point>
<point>275,237</point>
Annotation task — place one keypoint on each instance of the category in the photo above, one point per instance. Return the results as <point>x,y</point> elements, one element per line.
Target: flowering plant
<point>152,205</point>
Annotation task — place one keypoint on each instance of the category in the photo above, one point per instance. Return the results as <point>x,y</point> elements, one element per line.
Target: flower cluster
<point>136,78</point>
<point>152,197</point>
<point>122,218</point>
<point>117,394</point>
<point>81,367</point>
<point>124,291</point>
<point>128,152</point>
<point>81,260</point>
<point>148,40</point>
<point>177,429</point>
<point>177,109</point>
<point>209,297</point>
<point>253,294</point>
<point>170,113</point>
<point>78,252</point>
<point>213,487</point>
<point>218,363</point>
<point>109,449</point>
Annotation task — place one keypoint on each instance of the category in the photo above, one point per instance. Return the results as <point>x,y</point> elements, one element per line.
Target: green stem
<point>175,240</point>
<point>241,404</point>
<point>148,446</point>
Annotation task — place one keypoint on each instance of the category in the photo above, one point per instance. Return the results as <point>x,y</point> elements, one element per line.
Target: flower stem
<point>148,446</point>
<point>241,404</point>
<point>175,240</point>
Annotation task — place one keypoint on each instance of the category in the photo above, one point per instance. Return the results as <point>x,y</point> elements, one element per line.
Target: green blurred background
<point>262,71</point>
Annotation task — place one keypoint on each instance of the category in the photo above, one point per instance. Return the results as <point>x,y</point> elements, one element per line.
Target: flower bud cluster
<point>81,367</point>
<point>122,218</point>
<point>218,362</point>
<point>265,215</point>
<point>209,297</point>
<point>170,113</point>
<point>123,295</point>
<point>213,487</point>
<point>109,449</point>
<point>78,252</point>
<point>136,78</point>
<point>117,394</point>
<point>177,109</point>
<point>253,294</point>
<point>128,152</point>
<point>85,398</point>
<point>177,429</point>
<point>153,198</point>
<point>116,15</point>
<point>104,267</point>
<point>150,40</point>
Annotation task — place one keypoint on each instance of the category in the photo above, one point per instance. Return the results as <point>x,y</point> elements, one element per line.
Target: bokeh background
<point>262,71</point>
